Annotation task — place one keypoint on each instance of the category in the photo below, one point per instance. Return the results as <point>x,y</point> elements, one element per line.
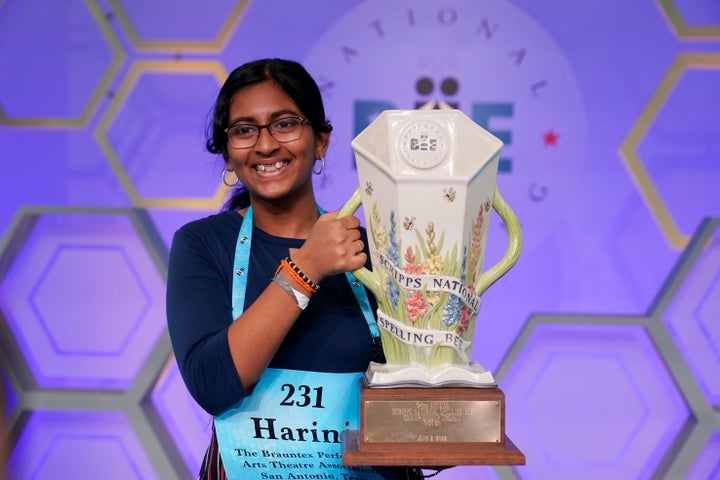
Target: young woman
<point>259,292</point>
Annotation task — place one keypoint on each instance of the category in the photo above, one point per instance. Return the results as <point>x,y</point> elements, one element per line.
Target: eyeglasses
<point>283,130</point>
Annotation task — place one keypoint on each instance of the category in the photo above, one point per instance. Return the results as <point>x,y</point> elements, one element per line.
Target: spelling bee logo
<point>489,59</point>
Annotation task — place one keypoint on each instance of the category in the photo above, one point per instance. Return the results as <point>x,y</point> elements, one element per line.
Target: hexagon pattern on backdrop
<point>568,370</point>
<point>672,116</point>
<point>195,27</point>
<point>82,297</point>
<point>80,445</point>
<point>151,119</point>
<point>638,376</point>
<point>70,39</point>
<point>188,424</point>
<point>88,370</point>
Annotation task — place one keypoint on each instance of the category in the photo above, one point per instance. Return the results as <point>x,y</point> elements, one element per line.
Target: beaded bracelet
<point>298,275</point>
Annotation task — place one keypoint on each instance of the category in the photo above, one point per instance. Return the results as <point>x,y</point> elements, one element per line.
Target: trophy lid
<point>443,143</point>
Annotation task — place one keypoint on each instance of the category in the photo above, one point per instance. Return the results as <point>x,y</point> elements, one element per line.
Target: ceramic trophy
<point>427,183</point>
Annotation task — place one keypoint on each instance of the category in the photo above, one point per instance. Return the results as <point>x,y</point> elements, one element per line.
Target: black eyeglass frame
<point>267,126</point>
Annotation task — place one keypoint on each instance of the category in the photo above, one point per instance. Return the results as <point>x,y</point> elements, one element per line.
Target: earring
<point>224,178</point>
<point>322,166</point>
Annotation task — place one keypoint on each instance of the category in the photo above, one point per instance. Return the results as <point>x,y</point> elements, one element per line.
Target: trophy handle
<point>368,278</point>
<point>487,278</point>
<point>512,253</point>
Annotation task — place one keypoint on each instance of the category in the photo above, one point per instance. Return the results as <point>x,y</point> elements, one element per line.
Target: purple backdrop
<point>605,337</point>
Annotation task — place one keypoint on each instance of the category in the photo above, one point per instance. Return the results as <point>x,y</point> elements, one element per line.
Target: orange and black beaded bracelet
<point>298,275</point>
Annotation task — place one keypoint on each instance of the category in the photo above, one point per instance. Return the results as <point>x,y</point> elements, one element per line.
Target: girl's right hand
<point>333,246</point>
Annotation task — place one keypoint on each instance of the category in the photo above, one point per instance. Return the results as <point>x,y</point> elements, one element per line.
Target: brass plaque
<point>432,421</point>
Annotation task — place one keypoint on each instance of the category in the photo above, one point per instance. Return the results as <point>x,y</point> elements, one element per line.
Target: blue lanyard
<point>241,267</point>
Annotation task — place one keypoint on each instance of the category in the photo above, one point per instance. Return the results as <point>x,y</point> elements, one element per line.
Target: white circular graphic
<point>423,144</point>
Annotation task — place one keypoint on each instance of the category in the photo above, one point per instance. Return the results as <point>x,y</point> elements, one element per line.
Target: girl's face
<point>271,170</point>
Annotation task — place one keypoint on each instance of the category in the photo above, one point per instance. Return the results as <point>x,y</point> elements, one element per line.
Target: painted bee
<point>408,223</point>
<point>449,194</point>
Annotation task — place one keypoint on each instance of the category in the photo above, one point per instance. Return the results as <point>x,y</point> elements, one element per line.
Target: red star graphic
<point>550,138</point>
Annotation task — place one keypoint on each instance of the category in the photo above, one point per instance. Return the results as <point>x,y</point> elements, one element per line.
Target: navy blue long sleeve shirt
<point>330,335</point>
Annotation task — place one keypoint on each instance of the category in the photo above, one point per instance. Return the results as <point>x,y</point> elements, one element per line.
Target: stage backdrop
<point>606,335</point>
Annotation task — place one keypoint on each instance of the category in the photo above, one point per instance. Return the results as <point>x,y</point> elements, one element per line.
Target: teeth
<point>271,168</point>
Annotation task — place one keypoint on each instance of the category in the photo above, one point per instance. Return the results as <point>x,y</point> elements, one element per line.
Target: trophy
<point>427,183</point>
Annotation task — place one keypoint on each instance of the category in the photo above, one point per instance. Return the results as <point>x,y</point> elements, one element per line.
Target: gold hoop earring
<point>322,166</point>
<point>224,178</point>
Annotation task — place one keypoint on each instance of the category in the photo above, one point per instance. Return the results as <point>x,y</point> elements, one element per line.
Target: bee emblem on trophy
<point>409,223</point>
<point>449,194</point>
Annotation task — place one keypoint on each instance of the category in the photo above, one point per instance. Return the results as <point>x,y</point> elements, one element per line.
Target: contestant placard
<point>290,428</point>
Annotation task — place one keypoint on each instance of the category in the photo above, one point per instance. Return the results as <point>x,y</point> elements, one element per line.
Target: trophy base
<point>498,455</point>
<point>431,427</point>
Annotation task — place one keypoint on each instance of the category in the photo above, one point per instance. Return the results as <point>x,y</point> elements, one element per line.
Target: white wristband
<point>300,298</point>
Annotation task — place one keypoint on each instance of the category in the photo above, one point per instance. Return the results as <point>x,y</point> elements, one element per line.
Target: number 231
<point>302,396</point>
